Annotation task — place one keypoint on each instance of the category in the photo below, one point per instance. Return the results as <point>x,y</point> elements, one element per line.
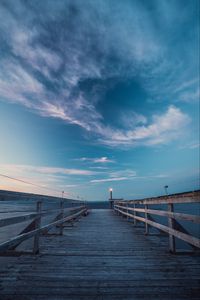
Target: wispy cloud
<point>192,145</point>
<point>44,180</point>
<point>190,96</point>
<point>187,84</point>
<point>131,175</point>
<point>120,175</point>
<point>98,168</point>
<point>46,170</point>
<point>161,130</point>
<point>123,173</point>
<point>108,179</point>
<point>101,160</point>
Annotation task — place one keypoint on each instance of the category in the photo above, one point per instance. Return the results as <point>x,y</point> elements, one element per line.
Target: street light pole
<point>166,187</point>
<point>111,198</point>
<point>111,190</point>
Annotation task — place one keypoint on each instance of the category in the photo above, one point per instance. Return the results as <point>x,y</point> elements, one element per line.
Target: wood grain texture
<point>102,257</point>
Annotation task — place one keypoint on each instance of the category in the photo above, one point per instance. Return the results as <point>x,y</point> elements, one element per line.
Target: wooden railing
<point>134,208</point>
<point>35,229</point>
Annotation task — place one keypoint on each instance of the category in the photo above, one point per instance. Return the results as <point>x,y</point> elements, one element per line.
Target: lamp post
<point>111,190</point>
<point>111,198</point>
<point>166,187</point>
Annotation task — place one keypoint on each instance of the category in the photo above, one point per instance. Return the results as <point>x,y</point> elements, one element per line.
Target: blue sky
<point>99,94</point>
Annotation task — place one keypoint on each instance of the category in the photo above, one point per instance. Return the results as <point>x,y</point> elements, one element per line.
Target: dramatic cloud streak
<point>162,129</point>
<point>59,57</point>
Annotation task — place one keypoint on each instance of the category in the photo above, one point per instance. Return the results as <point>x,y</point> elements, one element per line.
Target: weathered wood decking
<point>102,257</point>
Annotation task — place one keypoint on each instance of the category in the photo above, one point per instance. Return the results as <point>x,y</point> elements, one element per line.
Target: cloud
<point>57,58</point>
<point>46,170</point>
<point>43,180</point>
<point>131,175</point>
<point>130,119</point>
<point>99,168</point>
<point>190,96</point>
<point>192,145</point>
<point>116,176</point>
<point>189,83</point>
<point>101,160</point>
<point>163,129</point>
<point>123,173</point>
<point>108,179</point>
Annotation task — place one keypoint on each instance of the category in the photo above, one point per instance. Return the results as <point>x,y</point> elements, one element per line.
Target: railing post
<point>61,216</point>
<point>37,226</point>
<point>172,244</point>
<point>134,213</point>
<point>117,211</point>
<point>146,218</point>
<point>127,211</point>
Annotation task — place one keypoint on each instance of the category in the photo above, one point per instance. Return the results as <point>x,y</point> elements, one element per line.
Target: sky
<point>97,95</point>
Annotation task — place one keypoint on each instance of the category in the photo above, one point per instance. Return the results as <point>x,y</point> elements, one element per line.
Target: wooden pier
<point>100,256</point>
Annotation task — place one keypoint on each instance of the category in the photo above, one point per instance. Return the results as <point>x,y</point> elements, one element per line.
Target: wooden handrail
<point>173,228</point>
<point>193,197</point>
<point>180,216</point>
<point>35,229</point>
<point>26,217</point>
<point>22,237</point>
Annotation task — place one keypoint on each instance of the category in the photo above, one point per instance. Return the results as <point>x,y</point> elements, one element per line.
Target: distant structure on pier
<point>112,200</point>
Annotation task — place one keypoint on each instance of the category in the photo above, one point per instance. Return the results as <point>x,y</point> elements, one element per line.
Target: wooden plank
<point>185,237</point>
<point>104,257</point>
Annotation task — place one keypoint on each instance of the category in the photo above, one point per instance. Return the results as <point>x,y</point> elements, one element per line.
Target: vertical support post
<point>61,216</point>
<point>146,218</point>
<point>37,226</point>
<point>127,211</point>
<point>118,213</point>
<point>172,244</point>
<point>134,213</point>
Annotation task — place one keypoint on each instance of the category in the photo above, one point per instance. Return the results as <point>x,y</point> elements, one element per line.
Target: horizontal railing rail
<point>130,209</point>
<point>26,217</point>
<point>34,229</point>
<point>192,197</point>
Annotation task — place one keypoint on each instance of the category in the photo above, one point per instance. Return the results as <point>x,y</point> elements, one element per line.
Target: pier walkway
<point>103,256</point>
